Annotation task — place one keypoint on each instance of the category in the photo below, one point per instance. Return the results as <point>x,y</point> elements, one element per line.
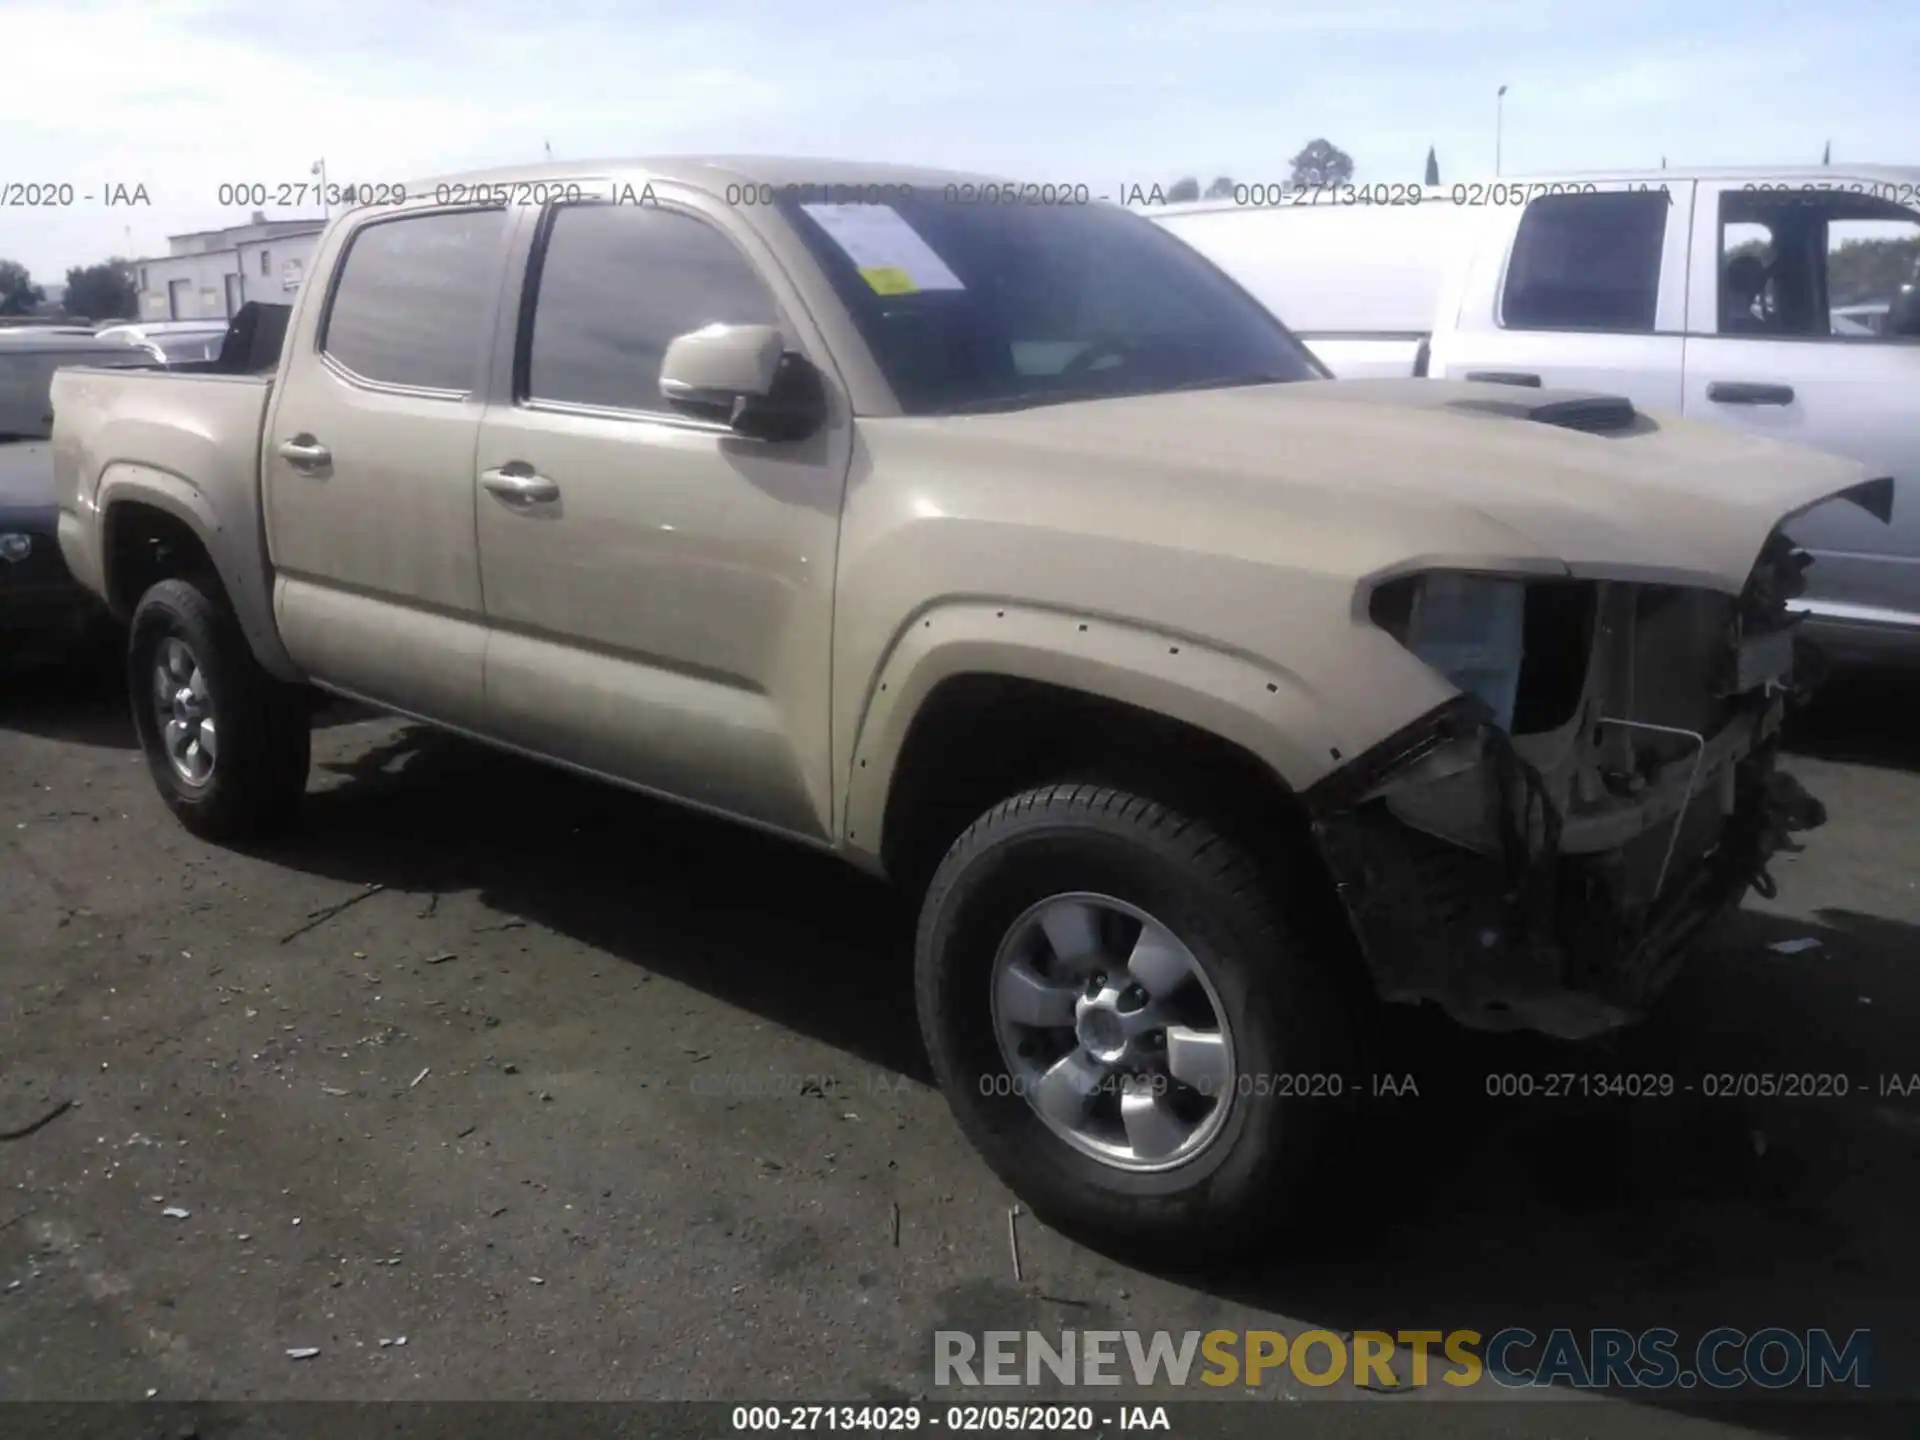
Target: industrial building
<point>210,274</point>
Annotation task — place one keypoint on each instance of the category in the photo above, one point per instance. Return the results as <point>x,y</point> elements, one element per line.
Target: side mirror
<point>744,376</point>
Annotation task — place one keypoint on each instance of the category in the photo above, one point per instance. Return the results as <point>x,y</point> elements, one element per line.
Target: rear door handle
<point>519,483</point>
<point>303,452</point>
<point>1504,377</point>
<point>1742,392</point>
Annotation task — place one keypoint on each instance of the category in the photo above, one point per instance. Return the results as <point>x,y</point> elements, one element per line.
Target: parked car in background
<point>1013,553</point>
<point>1704,293</point>
<point>172,342</point>
<point>40,603</point>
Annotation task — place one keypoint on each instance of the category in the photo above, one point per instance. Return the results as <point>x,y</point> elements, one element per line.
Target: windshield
<point>983,306</point>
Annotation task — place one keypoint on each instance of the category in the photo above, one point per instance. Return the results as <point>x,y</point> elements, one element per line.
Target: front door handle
<point>520,484</point>
<point>1742,392</point>
<point>303,452</point>
<point>1505,377</point>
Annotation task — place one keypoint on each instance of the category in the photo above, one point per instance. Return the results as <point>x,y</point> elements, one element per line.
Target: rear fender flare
<point>248,586</point>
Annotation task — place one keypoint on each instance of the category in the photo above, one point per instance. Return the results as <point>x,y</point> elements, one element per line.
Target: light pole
<point>1499,107</point>
<point>320,168</point>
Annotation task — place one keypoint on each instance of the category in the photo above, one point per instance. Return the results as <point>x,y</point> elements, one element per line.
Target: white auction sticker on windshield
<point>889,252</point>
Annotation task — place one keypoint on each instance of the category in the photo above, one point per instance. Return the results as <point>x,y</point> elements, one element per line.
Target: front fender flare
<point>1264,709</point>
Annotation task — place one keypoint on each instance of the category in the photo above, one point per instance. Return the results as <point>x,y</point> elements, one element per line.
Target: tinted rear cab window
<point>412,296</point>
<point>1587,262</point>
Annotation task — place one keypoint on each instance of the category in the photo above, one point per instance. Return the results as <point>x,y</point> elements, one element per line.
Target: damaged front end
<point>1539,852</point>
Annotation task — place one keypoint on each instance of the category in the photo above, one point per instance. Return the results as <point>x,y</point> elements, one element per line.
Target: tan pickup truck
<point>1010,550</point>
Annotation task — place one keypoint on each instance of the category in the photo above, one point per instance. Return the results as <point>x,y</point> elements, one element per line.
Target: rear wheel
<point>1125,1024</point>
<point>227,743</point>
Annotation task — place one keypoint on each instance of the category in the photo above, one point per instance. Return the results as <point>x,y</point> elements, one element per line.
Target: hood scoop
<point>1593,414</point>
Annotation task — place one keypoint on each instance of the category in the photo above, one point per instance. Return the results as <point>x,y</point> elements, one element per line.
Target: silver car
<point>172,342</point>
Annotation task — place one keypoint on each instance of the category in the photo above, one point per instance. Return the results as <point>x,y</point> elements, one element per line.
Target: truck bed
<point>197,437</point>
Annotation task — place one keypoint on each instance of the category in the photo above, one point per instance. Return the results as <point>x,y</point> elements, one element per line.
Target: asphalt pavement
<point>489,1082</point>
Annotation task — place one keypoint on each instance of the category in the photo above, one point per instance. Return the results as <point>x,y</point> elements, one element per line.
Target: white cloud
<point>177,103</point>
<point>184,95</point>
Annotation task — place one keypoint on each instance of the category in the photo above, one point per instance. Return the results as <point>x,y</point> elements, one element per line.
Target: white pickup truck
<point>1015,553</point>
<point>1771,300</point>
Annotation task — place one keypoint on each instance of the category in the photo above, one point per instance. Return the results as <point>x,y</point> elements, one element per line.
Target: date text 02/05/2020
<point>1479,193</point>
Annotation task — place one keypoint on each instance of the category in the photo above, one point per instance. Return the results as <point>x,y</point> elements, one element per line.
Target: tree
<point>1220,189</point>
<point>103,292</point>
<point>1862,271</point>
<point>18,293</point>
<point>1187,189</point>
<point>1433,167</point>
<point>1321,163</point>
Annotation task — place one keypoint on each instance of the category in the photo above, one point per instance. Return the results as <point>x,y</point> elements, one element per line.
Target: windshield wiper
<point>1227,382</point>
<point>1029,399</point>
<point>1025,400</point>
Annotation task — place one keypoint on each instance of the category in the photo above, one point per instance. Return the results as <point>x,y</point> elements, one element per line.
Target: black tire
<point>260,767</point>
<point>1290,1010</point>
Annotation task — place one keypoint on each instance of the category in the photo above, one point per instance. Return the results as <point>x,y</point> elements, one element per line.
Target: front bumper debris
<point>1529,936</point>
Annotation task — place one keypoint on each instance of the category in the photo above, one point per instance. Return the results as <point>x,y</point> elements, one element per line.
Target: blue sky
<point>180,95</point>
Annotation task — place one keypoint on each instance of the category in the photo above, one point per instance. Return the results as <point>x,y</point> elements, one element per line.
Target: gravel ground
<point>485,1107</point>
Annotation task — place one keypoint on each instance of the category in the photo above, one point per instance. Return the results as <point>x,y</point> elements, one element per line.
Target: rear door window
<point>1817,263</point>
<point>1587,262</point>
<point>412,296</point>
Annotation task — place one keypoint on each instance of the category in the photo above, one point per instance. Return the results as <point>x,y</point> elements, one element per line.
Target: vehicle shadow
<point>80,698</point>
<point>1560,1206</point>
<point>754,920</point>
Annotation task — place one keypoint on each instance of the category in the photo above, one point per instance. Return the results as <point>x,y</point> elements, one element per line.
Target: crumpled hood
<point>1410,475</point>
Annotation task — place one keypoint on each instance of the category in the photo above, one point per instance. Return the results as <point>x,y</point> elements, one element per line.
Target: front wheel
<point>1125,1025</point>
<point>227,743</point>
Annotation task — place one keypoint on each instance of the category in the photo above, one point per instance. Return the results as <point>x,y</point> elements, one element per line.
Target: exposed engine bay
<point>1538,853</point>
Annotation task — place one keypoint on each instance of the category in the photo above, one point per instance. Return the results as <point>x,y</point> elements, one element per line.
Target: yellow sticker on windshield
<point>889,280</point>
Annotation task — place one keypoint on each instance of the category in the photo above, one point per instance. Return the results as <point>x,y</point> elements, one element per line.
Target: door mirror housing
<point>744,377</point>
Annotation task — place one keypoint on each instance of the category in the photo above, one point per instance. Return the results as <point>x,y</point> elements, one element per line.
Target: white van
<point>1781,301</point>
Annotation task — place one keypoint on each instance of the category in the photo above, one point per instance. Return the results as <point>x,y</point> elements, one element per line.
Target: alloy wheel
<point>1111,1030</point>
